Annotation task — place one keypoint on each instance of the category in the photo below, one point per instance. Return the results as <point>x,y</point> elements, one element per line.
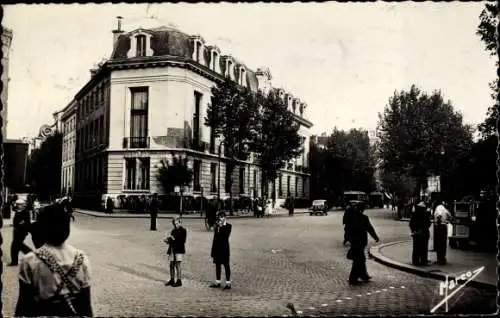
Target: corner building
<point>148,102</point>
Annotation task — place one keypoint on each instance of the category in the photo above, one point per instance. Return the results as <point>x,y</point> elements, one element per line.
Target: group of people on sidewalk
<point>420,223</point>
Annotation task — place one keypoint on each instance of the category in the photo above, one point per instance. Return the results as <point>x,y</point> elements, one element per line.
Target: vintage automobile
<point>354,196</point>
<point>319,207</point>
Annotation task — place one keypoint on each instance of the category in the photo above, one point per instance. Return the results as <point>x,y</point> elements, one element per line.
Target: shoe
<point>228,286</point>
<point>367,278</point>
<point>215,285</point>
<point>178,283</point>
<point>170,283</point>
<point>355,282</point>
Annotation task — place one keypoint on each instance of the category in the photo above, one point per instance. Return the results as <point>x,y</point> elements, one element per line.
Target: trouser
<point>441,240</point>
<point>290,212</point>
<point>420,245</point>
<point>152,226</point>
<point>18,246</point>
<point>218,270</point>
<point>358,269</point>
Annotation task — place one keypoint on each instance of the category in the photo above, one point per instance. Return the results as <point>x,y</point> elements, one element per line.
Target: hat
<point>421,204</point>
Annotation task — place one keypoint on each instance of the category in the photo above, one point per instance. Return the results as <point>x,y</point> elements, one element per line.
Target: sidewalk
<point>168,215</point>
<point>398,255</point>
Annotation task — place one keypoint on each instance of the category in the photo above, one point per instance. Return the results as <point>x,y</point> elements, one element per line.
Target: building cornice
<point>181,62</point>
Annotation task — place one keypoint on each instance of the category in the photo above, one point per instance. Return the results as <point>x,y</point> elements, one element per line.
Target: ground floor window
<point>213,177</point>
<point>137,171</point>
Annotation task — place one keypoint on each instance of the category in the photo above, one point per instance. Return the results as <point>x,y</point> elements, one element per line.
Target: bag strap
<point>55,268</point>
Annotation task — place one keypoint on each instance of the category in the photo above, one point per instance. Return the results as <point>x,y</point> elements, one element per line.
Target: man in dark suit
<point>220,251</point>
<point>21,225</point>
<point>420,222</point>
<point>291,206</point>
<point>359,226</point>
<point>153,211</point>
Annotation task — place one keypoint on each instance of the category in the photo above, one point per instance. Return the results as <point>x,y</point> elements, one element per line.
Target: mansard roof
<point>171,43</point>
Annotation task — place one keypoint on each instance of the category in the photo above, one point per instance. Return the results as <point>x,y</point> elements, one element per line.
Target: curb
<point>169,216</point>
<point>375,254</point>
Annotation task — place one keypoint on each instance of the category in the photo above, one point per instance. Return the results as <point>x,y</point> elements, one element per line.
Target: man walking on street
<point>291,206</point>
<point>419,224</point>
<point>359,226</point>
<point>220,251</point>
<point>441,219</point>
<point>21,226</point>
<point>153,211</point>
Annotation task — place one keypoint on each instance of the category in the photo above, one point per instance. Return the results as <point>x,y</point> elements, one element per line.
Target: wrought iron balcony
<point>136,142</point>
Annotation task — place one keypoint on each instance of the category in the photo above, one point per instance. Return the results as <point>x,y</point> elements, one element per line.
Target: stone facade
<point>167,76</point>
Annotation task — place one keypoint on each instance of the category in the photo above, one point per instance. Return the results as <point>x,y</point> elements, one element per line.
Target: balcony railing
<point>136,142</point>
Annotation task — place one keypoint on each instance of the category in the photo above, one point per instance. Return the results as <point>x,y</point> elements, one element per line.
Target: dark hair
<point>221,215</point>
<point>54,223</point>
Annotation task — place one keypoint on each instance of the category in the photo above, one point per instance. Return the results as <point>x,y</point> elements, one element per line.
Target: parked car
<point>319,207</point>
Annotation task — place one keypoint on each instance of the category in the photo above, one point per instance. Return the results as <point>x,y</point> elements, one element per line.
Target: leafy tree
<point>277,140</point>
<point>421,134</point>
<point>176,173</point>
<point>232,114</point>
<point>486,31</point>
<point>44,167</point>
<point>346,163</point>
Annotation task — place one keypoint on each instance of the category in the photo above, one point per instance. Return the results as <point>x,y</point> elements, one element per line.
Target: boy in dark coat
<point>220,251</point>
<point>176,249</point>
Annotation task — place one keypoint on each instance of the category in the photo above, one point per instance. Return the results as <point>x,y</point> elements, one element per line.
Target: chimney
<point>93,72</point>
<point>118,31</point>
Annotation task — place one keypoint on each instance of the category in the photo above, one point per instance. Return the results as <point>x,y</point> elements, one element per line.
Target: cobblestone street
<point>275,261</point>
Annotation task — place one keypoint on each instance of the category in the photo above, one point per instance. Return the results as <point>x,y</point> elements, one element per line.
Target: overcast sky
<point>344,60</point>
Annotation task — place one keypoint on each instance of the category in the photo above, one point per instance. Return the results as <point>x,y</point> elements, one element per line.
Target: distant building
<point>15,160</point>
<point>148,103</point>
<point>66,124</point>
<point>6,42</point>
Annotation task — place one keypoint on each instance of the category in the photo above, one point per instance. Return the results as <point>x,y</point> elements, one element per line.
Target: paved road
<point>274,261</point>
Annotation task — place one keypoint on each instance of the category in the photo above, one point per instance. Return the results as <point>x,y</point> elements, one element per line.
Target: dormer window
<point>243,77</point>
<point>215,60</point>
<point>198,44</point>
<point>141,45</point>
<point>198,51</point>
<point>229,69</point>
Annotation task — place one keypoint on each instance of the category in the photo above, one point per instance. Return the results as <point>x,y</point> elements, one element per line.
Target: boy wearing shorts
<point>176,249</point>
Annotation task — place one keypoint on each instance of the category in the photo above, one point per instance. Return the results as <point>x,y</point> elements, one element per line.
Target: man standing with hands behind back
<point>220,251</point>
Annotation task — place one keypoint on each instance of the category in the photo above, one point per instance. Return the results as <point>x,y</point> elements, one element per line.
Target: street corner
<point>386,255</point>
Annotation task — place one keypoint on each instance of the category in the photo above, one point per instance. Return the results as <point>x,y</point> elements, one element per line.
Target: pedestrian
<point>291,206</point>
<point>442,218</point>
<point>176,249</point>
<point>420,222</point>
<point>359,226</point>
<point>220,251</point>
<point>21,226</point>
<point>345,221</point>
<point>54,280</point>
<point>153,212</point>
<point>109,205</point>
<point>269,208</point>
